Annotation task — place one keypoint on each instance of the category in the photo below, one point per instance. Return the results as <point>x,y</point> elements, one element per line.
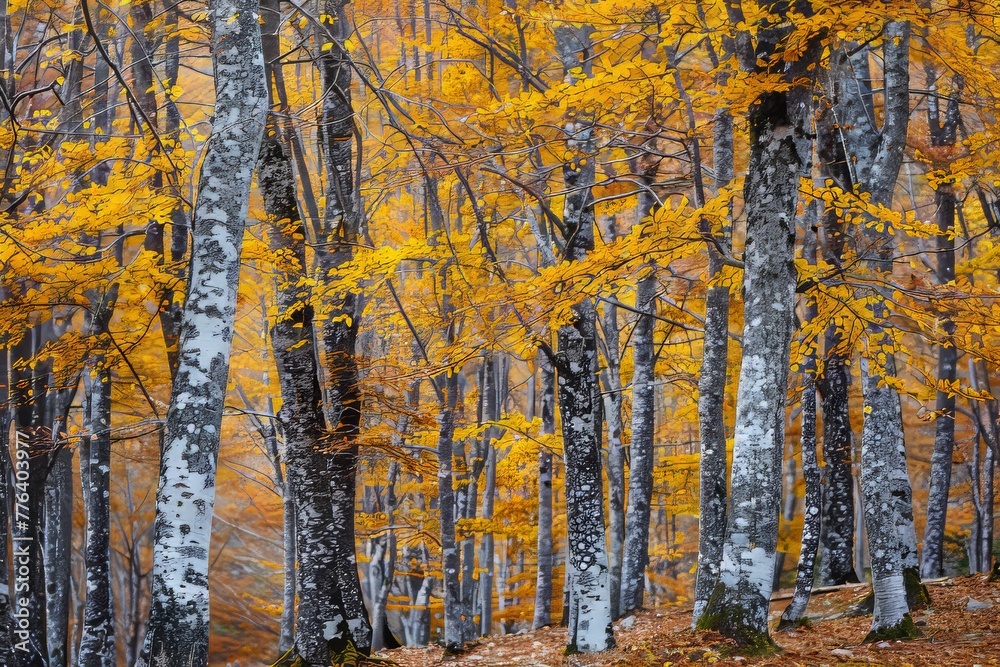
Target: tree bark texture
<point>58,553</point>
<point>450,559</point>
<point>543,580</point>
<point>779,156</point>
<point>322,625</point>
<point>932,557</point>
<point>877,155</point>
<point>179,618</point>
<point>712,398</point>
<point>616,454</point>
<point>339,329</point>
<point>97,640</point>
<point>812,514</point>
<point>578,390</point>
<point>641,454</point>
<point>987,419</point>
<point>837,532</point>
<point>493,392</point>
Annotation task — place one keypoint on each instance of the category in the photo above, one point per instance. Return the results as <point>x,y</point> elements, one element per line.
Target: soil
<point>951,635</point>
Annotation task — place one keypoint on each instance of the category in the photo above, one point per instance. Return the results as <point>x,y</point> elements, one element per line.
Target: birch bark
<point>635,556</point>
<point>543,580</point>
<point>885,485</point>
<point>812,511</point>
<point>611,377</point>
<point>943,134</point>
<point>179,619</point>
<point>579,397</point>
<point>780,153</point>
<point>97,637</point>
<point>341,226</point>
<point>712,397</point>
<point>97,641</point>
<point>838,527</point>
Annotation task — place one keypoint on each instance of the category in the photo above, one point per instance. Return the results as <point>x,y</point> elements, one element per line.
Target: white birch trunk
<point>611,377</point>
<point>579,397</point>
<point>179,616</point>
<point>543,580</point>
<point>712,397</point>
<point>877,154</point>
<point>450,559</point>
<point>640,483</point>
<point>779,156</point>
<point>97,640</point>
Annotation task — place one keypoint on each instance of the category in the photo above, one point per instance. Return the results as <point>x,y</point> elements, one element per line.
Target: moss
<point>904,630</point>
<point>994,573</point>
<point>737,623</point>
<point>917,595</point>
<point>571,649</point>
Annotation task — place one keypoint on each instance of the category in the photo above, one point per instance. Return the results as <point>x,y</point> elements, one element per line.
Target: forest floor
<point>957,629</point>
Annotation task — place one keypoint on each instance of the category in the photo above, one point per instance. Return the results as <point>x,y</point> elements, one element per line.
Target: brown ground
<point>952,636</point>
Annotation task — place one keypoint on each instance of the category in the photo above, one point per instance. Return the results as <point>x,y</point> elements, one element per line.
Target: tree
<point>885,484</point>
<point>178,626</point>
<point>944,135</point>
<point>812,515</point>
<point>578,392</point>
<point>779,156</point>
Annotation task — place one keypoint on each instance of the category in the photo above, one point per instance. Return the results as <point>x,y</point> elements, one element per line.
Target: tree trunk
<point>450,562</point>
<point>883,474</point>
<point>321,622</point>
<point>97,635</point>
<point>640,483</point>
<point>383,568</point>
<point>143,84</point>
<point>493,394</point>
<point>812,514</point>
<point>286,632</point>
<point>986,518</point>
<point>712,397</point>
<point>179,618</point>
<point>885,484</point>
<point>616,454</point>
<point>97,640</point>
<point>837,532</point>
<point>543,580</point>
<point>466,501</point>
<point>579,394</point>
<point>932,557</point>
<point>591,599</point>
<point>779,156</point>
<point>987,419</point>
<point>58,553</point>
<point>338,236</point>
